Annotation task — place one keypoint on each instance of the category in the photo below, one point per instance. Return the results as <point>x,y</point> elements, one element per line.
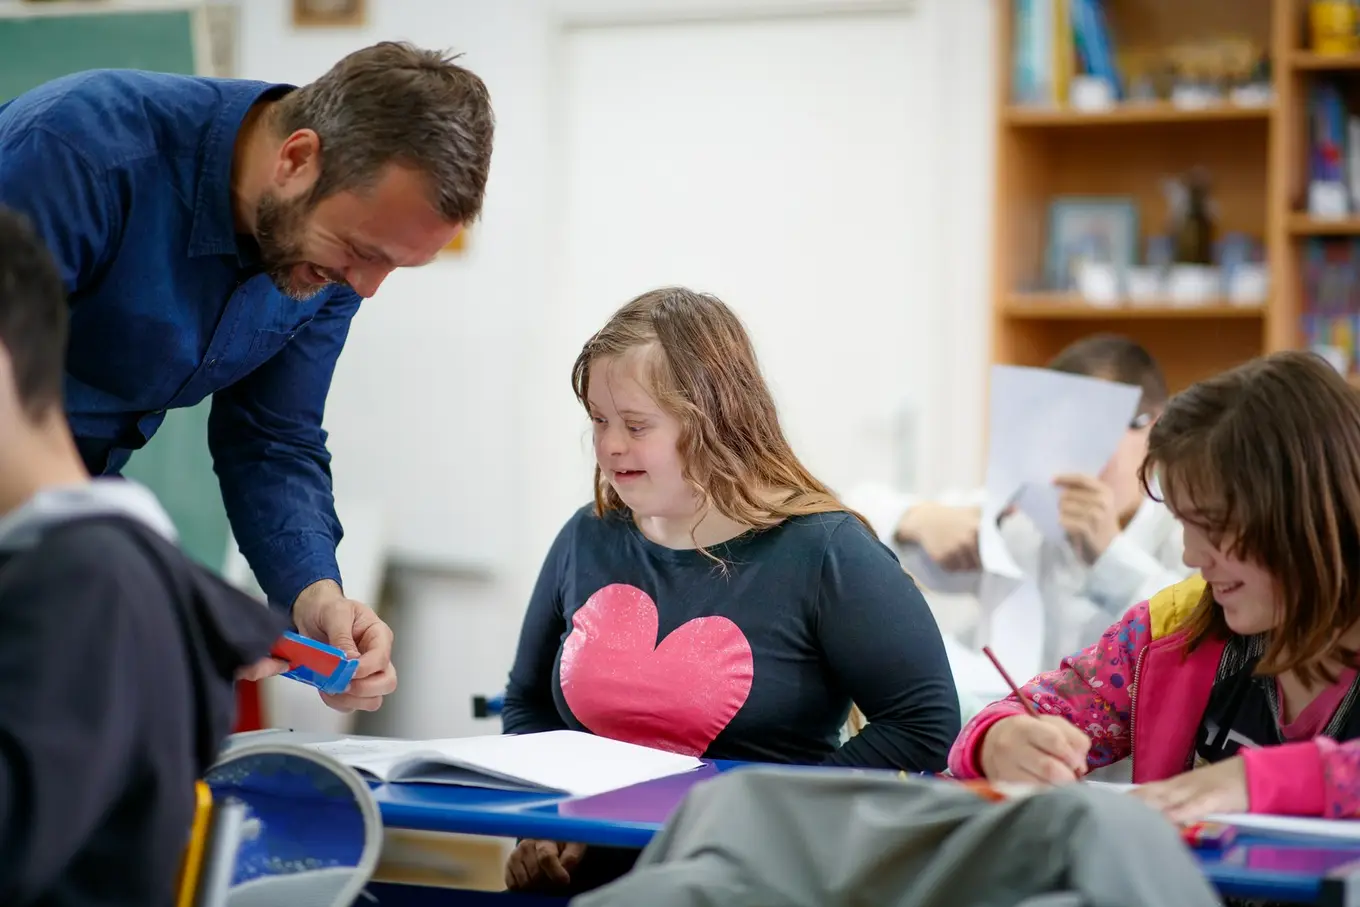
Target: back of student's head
<point>1265,459</point>
<point>699,365</point>
<point>32,316</point>
<point>1115,358</point>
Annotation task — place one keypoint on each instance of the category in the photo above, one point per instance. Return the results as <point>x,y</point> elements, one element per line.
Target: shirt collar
<point>214,228</point>
<point>23,527</point>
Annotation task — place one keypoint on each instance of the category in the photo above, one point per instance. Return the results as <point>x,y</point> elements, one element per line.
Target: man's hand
<point>947,535</point>
<point>322,612</point>
<point>1086,512</point>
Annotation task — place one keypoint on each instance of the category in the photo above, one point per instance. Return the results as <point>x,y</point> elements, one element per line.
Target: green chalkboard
<point>176,465</point>
<point>41,42</point>
<point>36,48</point>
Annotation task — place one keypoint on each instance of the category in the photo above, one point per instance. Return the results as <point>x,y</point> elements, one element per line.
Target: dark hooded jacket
<point>117,658</point>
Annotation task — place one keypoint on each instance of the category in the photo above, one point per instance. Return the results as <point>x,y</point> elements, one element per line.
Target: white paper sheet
<point>1285,826</point>
<point>1015,623</point>
<point>1043,423</point>
<point>571,761</point>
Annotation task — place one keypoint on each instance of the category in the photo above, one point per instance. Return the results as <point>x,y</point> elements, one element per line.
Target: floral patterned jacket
<point>1138,694</point>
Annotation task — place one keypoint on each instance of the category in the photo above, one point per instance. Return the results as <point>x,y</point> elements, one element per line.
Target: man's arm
<point>70,694</point>
<point>269,452</point>
<point>62,193</point>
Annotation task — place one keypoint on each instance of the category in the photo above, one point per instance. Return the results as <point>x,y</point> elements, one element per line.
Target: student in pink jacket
<point>1234,690</point>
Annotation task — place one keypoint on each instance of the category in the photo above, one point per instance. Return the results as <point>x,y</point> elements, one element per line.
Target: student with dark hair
<point>117,653</point>
<point>1121,547</point>
<point>1246,673</point>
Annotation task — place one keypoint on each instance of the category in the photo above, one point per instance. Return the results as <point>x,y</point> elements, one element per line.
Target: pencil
<point>1029,708</point>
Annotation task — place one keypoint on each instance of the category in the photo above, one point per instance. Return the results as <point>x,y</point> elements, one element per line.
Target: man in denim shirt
<point>215,237</point>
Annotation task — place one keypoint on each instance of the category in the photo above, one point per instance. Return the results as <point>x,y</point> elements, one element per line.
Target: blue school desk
<point>1293,870</point>
<point>1290,870</point>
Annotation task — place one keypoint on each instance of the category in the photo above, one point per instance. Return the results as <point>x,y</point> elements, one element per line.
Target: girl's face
<point>635,442</point>
<point>1121,473</point>
<point>1245,591</point>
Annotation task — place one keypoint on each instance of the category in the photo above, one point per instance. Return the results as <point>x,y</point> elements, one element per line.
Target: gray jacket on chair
<point>785,837</point>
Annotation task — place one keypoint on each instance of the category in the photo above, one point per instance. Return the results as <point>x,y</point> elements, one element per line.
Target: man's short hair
<point>32,314</point>
<point>393,103</point>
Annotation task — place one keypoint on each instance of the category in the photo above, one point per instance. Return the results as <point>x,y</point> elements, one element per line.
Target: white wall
<point>417,393</point>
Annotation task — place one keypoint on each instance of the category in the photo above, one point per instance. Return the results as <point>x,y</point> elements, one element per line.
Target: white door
<point>787,165</point>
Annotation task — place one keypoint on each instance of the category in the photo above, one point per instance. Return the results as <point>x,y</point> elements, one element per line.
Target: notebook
<point>1284,826</point>
<point>558,762</point>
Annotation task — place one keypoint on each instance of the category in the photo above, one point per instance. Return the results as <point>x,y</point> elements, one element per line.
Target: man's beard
<point>279,228</point>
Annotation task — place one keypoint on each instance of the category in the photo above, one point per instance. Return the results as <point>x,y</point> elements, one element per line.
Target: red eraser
<point>300,654</point>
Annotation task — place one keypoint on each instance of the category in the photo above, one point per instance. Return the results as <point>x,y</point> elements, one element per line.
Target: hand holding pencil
<point>1032,748</point>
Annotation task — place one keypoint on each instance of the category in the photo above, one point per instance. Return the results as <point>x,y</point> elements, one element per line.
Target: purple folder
<point>649,803</point>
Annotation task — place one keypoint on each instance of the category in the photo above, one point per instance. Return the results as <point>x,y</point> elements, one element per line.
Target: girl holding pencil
<point>1234,690</point>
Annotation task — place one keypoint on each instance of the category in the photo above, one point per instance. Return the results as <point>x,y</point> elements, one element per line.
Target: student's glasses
<point>1142,420</point>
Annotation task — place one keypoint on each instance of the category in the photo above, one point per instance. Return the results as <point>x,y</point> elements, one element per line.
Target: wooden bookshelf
<point>1069,307</point>
<point>1256,156</point>
<point>1303,60</point>
<point>1122,114</point>
<point>1301,224</point>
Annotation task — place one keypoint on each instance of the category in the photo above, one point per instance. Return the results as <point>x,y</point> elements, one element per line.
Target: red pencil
<point>987,650</point>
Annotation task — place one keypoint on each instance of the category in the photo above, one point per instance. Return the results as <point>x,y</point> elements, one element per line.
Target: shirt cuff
<point>284,567</point>
<point>1117,575</point>
<point>964,759</point>
<point>1285,780</point>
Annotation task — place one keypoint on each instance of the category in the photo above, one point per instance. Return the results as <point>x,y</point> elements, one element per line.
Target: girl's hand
<point>1217,788</point>
<point>542,864</point>
<point>1043,750</point>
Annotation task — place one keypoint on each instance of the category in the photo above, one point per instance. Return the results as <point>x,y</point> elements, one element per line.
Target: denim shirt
<point>127,177</point>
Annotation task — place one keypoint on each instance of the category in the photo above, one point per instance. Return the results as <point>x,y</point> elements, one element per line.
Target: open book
<point>566,762</point>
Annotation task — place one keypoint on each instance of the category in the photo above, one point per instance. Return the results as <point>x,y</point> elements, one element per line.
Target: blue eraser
<point>315,663</point>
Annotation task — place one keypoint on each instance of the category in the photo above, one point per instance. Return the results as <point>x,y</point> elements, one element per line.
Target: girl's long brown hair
<point>702,369</point>
<point>1266,458</point>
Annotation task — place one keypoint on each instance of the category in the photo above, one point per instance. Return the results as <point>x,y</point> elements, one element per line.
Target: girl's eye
<point>636,428</point>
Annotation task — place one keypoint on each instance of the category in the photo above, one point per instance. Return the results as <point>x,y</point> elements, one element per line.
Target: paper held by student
<point>568,762</point>
<point>1041,424</point>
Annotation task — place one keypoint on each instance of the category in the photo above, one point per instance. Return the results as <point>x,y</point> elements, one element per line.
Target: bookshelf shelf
<point>1303,225</point>
<point>1132,114</point>
<point>1256,158</point>
<point>1324,62</point>
<point>1060,306</point>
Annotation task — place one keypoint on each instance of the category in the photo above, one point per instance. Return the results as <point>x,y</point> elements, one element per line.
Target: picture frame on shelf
<point>1088,230</point>
<point>329,13</point>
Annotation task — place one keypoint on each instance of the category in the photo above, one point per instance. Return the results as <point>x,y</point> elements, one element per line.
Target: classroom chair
<point>210,856</point>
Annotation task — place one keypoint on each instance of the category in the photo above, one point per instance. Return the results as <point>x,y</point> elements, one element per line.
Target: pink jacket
<point>1142,659</point>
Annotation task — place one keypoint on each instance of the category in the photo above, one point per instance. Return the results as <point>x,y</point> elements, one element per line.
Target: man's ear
<point>10,405</point>
<point>298,164</point>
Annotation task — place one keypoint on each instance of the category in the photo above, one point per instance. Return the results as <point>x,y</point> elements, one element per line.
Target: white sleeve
<point>1127,574</point>
<point>884,506</point>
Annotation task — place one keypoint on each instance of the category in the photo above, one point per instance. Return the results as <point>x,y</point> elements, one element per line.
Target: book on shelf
<point>1054,41</point>
<point>1330,269</point>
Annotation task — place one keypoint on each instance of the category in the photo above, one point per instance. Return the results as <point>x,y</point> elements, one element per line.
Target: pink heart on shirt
<point>677,695</point>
